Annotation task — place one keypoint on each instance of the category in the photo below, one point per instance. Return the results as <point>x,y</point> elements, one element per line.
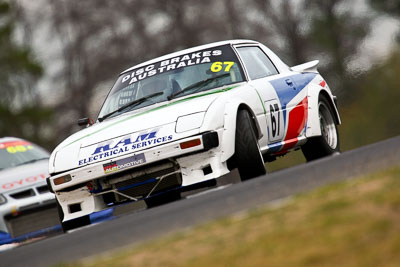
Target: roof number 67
<point>217,66</point>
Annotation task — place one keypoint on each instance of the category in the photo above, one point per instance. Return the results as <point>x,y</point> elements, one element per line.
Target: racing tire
<point>328,142</point>
<point>248,158</point>
<point>71,224</point>
<point>163,199</point>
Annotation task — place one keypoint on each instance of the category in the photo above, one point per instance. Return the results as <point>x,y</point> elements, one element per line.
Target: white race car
<point>26,205</point>
<point>189,117</point>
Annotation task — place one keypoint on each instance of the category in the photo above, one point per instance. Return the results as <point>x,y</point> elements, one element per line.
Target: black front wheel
<point>248,157</point>
<point>161,199</point>
<point>75,223</point>
<point>328,142</point>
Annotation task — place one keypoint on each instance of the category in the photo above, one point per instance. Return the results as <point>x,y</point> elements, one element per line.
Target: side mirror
<point>85,122</point>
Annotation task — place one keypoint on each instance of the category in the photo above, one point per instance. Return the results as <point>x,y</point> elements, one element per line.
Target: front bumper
<point>171,150</point>
<point>190,165</point>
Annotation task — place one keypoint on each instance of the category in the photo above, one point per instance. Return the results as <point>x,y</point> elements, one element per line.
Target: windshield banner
<point>219,54</point>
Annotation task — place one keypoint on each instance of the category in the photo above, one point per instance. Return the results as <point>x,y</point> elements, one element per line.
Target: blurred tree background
<point>58,59</point>
<point>22,112</point>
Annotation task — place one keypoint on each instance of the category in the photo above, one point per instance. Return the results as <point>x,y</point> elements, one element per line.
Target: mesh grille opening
<point>140,182</point>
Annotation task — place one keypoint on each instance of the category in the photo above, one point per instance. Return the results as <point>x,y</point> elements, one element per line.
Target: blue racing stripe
<point>274,147</point>
<point>287,92</point>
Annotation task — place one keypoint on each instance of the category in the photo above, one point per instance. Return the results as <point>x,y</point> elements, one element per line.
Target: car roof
<point>190,50</point>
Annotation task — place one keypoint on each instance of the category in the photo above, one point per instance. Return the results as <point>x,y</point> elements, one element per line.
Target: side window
<point>257,62</point>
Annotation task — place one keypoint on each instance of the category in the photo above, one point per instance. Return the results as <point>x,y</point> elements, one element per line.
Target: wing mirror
<point>85,122</point>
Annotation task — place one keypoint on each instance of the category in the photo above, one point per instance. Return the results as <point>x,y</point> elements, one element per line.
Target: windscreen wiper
<point>134,102</point>
<point>196,84</point>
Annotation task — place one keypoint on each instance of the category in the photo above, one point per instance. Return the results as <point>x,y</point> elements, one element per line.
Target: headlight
<point>189,122</point>
<point>3,199</point>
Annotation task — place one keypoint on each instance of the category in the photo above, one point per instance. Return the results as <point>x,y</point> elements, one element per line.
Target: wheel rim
<point>328,126</point>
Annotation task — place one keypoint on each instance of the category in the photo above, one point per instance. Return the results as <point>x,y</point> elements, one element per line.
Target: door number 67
<point>275,121</point>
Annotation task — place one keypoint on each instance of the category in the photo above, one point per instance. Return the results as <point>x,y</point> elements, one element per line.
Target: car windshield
<point>172,78</point>
<point>20,152</point>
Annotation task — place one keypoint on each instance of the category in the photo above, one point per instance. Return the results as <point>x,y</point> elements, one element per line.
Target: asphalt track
<point>144,225</point>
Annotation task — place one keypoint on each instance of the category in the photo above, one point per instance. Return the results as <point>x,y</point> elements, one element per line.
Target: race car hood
<point>24,176</point>
<point>153,125</point>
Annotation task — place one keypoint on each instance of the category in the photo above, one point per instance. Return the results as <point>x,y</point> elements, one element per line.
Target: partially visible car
<point>26,205</point>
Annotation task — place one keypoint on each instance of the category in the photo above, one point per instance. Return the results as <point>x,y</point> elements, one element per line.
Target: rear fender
<point>313,124</point>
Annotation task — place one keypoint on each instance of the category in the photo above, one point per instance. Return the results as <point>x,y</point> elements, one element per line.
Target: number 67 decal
<point>275,121</point>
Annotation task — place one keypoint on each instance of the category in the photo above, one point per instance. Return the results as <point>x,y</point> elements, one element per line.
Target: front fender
<point>222,113</point>
<point>229,134</point>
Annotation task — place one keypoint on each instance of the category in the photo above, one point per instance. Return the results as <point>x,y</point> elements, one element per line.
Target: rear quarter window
<point>257,63</point>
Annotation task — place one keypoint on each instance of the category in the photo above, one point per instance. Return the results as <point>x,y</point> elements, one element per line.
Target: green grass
<point>353,223</point>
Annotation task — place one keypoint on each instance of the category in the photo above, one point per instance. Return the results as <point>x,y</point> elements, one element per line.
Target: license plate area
<point>122,164</point>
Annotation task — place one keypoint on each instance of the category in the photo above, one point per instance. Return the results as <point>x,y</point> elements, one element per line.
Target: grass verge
<point>352,223</point>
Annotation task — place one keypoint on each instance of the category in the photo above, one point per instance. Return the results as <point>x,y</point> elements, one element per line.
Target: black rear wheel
<point>248,157</point>
<point>328,142</point>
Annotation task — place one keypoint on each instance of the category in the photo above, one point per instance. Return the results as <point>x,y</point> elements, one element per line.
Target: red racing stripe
<point>297,120</point>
